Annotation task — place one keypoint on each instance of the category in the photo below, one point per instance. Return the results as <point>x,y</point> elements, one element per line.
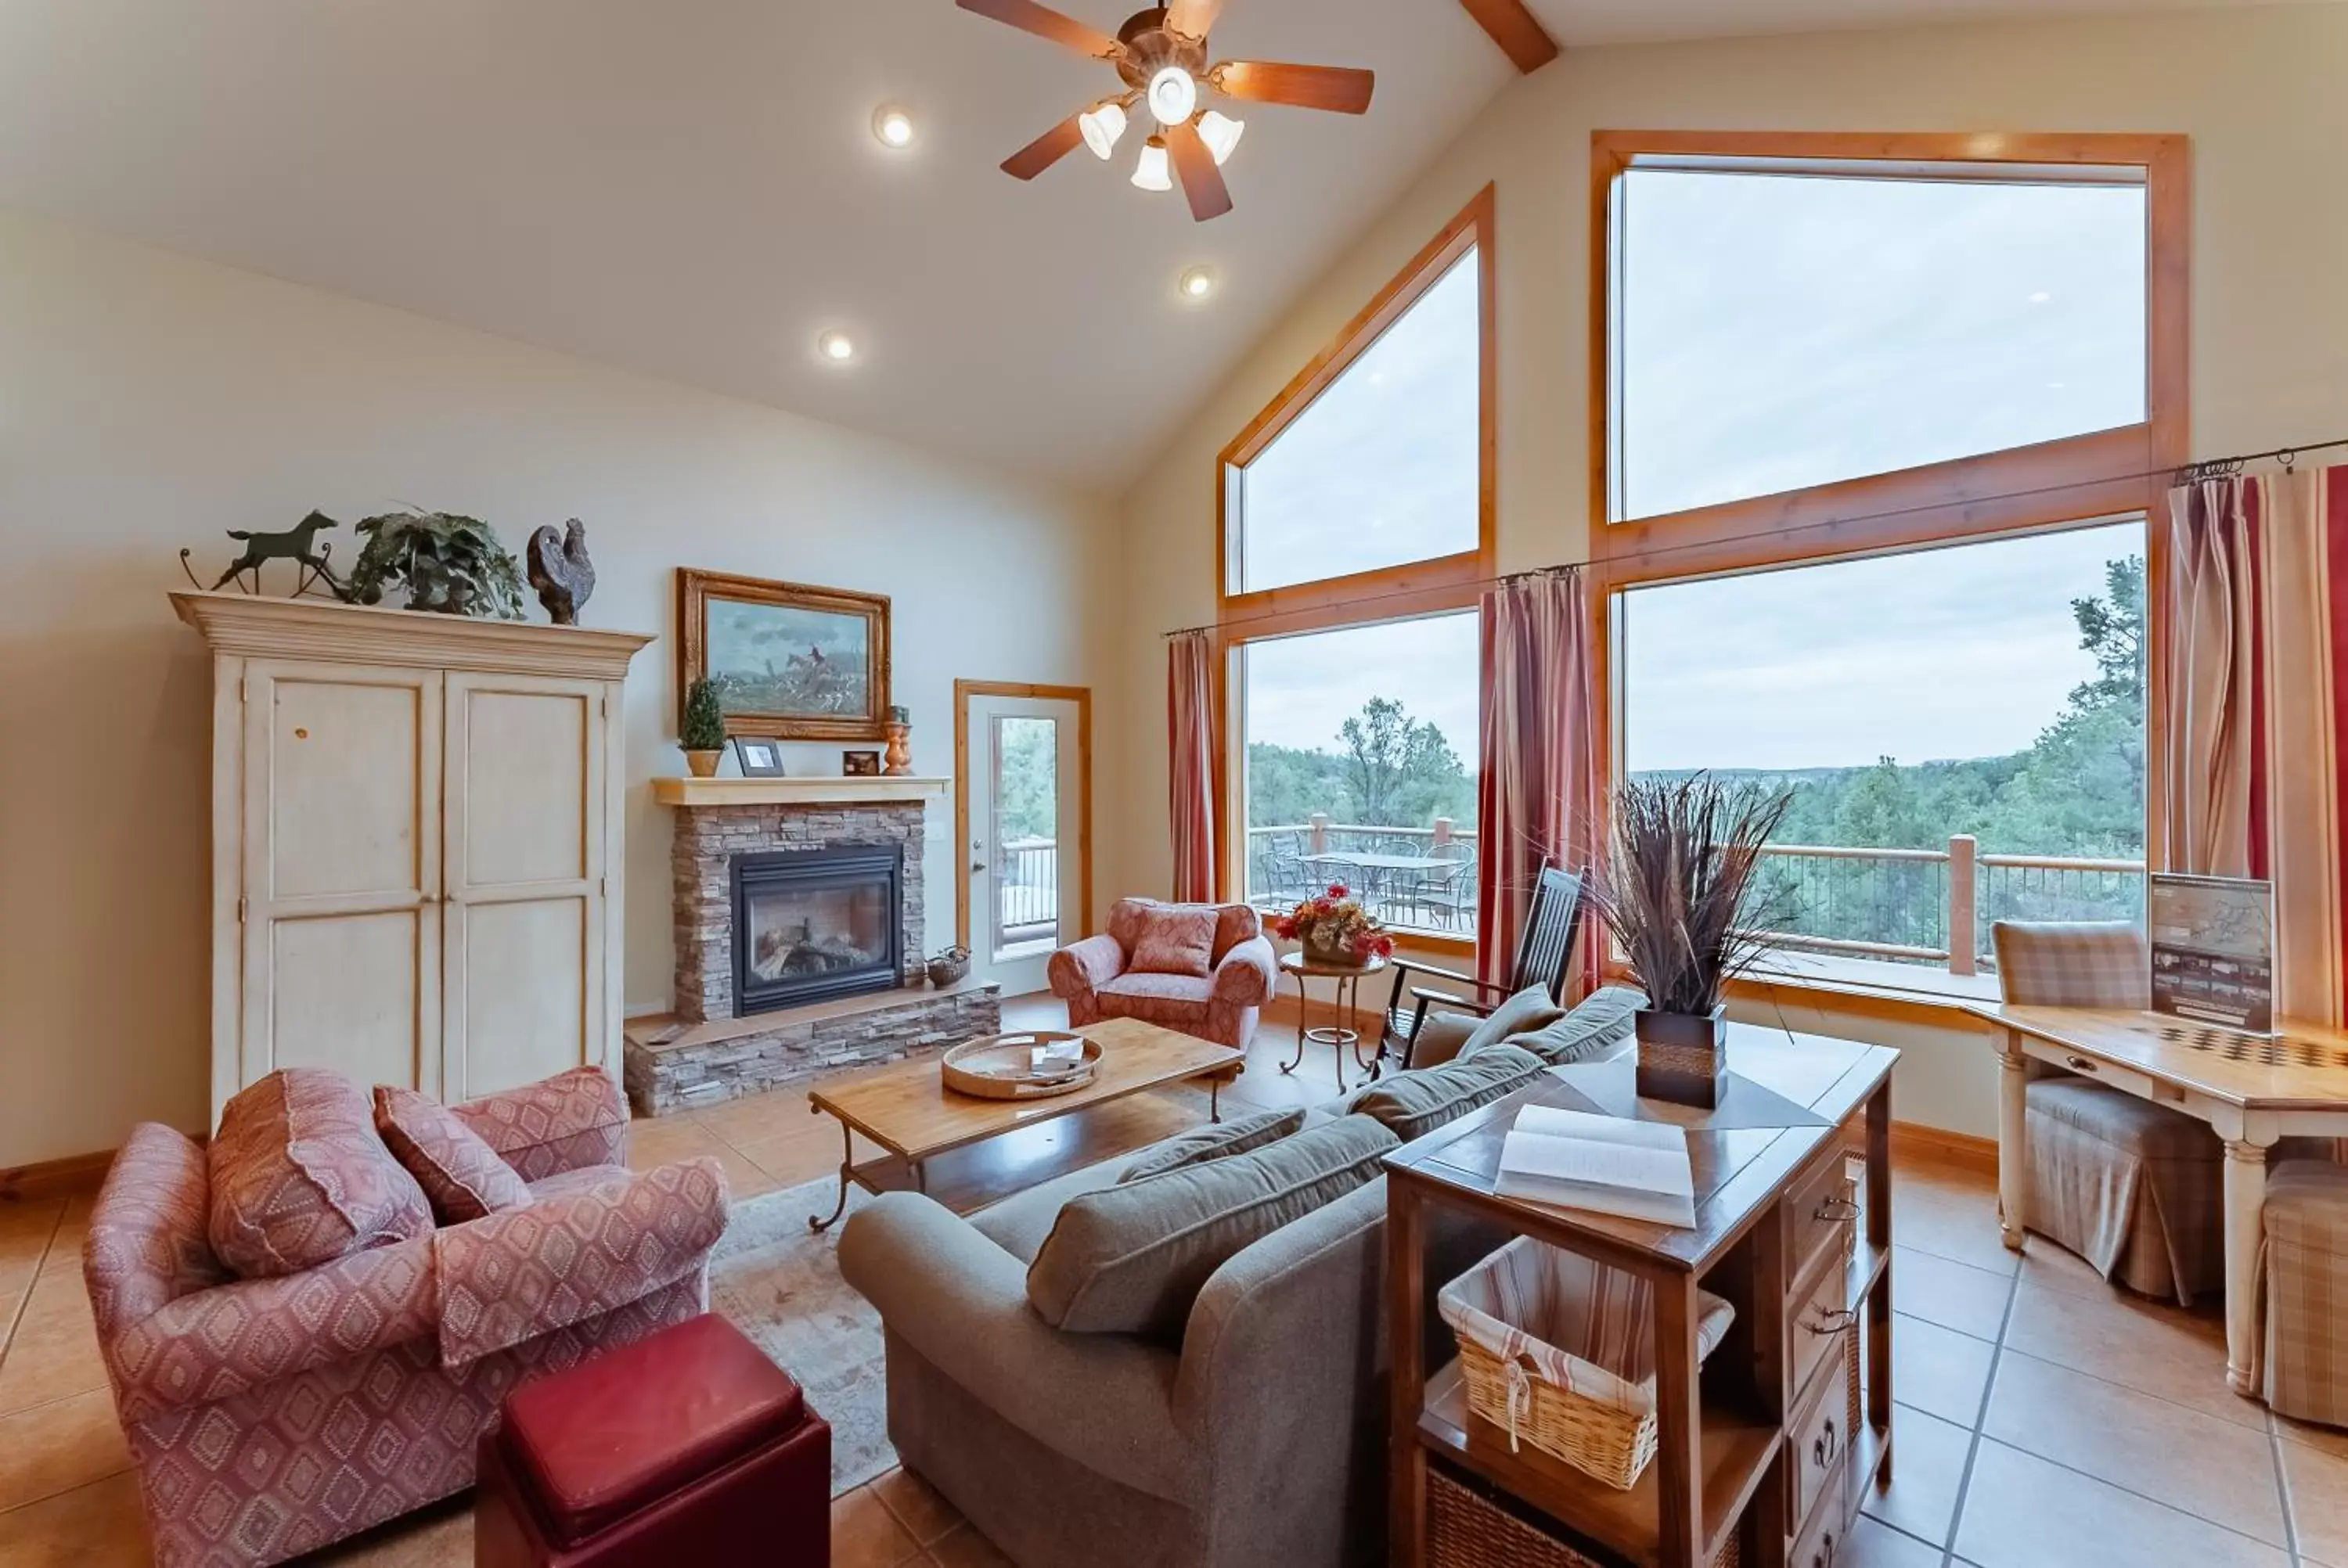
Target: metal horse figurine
<point>293,544</point>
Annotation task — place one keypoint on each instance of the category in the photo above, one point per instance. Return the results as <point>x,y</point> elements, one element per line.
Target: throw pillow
<point>1178,940</point>
<point>1131,1259</point>
<point>559,1123</point>
<point>1603,1020</point>
<point>1216,1141</point>
<point>1413,1104</point>
<point>461,1175</point>
<point>1529,1010</point>
<point>1442,1036</point>
<point>299,1177</point>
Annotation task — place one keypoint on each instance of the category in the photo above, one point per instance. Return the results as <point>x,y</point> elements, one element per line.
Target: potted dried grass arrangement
<point>1683,895</point>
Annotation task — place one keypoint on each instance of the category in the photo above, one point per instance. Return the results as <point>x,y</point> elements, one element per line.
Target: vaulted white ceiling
<point>691,188</point>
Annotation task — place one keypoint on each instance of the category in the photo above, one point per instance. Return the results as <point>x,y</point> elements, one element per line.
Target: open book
<point>1607,1165</point>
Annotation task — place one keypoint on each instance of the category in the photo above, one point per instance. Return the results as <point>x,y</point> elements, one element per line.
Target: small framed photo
<point>760,759</point>
<point>857,765</point>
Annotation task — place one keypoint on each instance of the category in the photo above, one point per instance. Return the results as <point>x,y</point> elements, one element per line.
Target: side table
<point>1342,1033</point>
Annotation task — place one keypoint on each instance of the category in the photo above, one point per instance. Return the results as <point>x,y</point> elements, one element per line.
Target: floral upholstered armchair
<point>274,1413</point>
<point>1204,970</point>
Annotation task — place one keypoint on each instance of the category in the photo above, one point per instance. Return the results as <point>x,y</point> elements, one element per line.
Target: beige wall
<point>2258,91</point>
<point>149,401</point>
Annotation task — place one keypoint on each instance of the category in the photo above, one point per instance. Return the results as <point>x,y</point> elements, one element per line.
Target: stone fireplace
<point>801,919</point>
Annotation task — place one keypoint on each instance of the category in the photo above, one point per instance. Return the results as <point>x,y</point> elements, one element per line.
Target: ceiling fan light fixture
<point>1102,124</point>
<point>1220,133</point>
<point>1152,172</point>
<point>1173,94</point>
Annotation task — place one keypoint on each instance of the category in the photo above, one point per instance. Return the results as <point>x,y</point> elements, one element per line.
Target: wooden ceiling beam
<point>1515,29</point>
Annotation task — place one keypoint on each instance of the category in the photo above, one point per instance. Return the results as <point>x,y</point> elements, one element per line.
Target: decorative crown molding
<point>252,627</point>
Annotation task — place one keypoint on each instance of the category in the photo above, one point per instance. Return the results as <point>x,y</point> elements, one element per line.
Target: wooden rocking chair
<point>1543,954</point>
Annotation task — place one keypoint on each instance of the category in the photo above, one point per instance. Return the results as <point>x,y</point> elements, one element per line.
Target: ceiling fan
<point>1161,55</point>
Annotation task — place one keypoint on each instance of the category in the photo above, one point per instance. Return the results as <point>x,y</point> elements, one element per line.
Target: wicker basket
<point>1558,1350</point>
<point>1467,1527</point>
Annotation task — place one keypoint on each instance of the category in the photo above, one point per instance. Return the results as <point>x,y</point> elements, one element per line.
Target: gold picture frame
<point>747,632</point>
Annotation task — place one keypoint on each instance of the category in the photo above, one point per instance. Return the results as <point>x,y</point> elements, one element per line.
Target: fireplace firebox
<point>814,923</point>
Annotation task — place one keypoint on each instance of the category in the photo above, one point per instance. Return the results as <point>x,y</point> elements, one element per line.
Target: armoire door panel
<point>524,983</point>
<point>527,803</point>
<point>346,993</point>
<point>341,775</point>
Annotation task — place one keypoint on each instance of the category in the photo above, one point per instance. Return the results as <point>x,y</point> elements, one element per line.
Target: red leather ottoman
<point>687,1447</point>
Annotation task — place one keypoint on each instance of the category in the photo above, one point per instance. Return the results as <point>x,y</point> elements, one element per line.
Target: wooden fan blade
<point>1192,18</point>
<point>1194,166</point>
<point>1339,89</point>
<point>1045,151</point>
<point>1515,29</point>
<point>1045,22</point>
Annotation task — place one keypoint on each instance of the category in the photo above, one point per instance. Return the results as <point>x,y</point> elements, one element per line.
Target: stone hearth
<point>702,1053</point>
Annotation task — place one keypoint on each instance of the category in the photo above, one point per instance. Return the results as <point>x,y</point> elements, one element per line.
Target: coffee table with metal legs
<point>1342,1033</point>
<point>909,1112</point>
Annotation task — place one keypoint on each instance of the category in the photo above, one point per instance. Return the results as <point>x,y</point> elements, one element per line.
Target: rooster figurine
<point>561,571</point>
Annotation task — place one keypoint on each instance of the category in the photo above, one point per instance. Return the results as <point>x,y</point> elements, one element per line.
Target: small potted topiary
<point>702,731</point>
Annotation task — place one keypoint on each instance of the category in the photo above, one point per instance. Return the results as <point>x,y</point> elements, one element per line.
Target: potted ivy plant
<point>702,731</point>
<point>446,563</point>
<point>1683,895</point>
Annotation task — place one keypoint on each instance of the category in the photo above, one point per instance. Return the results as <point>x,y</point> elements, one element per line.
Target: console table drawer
<point>1823,1209</point>
<point>1822,1544</point>
<point>1818,1440</point>
<point>1823,1322</point>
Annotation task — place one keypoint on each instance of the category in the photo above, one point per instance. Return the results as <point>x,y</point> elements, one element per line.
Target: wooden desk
<point>1727,1461</point>
<point>2251,1091</point>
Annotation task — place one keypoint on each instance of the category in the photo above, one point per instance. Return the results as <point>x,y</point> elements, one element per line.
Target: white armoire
<point>415,845</point>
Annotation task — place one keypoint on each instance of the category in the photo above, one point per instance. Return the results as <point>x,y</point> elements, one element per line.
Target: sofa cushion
<point>1602,1021</point>
<point>461,1177</point>
<point>1216,1141</point>
<point>1130,1259</point>
<point>1190,990</point>
<point>1177,939</point>
<point>1413,1104</point>
<point>299,1177</point>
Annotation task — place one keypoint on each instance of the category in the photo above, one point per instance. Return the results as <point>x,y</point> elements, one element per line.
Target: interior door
<point>340,904</point>
<point>522,989</point>
<point>1025,864</point>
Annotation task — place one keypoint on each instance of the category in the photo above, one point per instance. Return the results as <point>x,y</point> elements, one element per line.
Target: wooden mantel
<point>862,789</point>
<point>252,625</point>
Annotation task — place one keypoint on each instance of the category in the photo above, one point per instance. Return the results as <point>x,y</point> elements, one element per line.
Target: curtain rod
<point>2186,474</point>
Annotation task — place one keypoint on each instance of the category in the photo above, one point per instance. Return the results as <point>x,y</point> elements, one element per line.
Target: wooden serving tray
<point>997,1066</point>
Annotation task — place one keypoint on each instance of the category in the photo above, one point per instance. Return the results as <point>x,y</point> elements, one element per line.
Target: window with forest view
<point>1977,704</point>
<point>1356,770</point>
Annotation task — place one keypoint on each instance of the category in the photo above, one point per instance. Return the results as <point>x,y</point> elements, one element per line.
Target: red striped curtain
<point>1192,732</point>
<point>2216,821</point>
<point>1537,795</point>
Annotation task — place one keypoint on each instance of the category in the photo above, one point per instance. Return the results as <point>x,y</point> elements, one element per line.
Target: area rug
<point>779,1283</point>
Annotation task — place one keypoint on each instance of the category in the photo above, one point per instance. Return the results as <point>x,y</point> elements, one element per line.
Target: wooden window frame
<point>2075,481</point>
<point>1081,696</point>
<point>1409,591</point>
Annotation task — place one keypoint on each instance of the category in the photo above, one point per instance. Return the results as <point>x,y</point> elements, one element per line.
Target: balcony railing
<point>1027,890</point>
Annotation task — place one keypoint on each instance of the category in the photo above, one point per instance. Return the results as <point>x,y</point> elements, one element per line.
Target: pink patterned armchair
<point>1119,975</point>
<point>270,1416</point>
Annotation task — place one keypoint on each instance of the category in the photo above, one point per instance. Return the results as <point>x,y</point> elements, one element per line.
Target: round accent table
<point>1342,1032</point>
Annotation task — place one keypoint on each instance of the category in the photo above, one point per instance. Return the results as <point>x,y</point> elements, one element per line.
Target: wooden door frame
<point>1081,696</point>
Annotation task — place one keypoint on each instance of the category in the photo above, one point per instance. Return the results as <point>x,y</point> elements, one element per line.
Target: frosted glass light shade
<point>1151,174</point>
<point>1220,133</point>
<point>1102,125</point>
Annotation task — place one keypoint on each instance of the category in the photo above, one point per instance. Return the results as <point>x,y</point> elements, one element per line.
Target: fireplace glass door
<point>816,924</point>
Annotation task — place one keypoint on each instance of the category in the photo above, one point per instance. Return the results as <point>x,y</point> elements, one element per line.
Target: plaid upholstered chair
<point>2303,1350</point>
<point>2133,1187</point>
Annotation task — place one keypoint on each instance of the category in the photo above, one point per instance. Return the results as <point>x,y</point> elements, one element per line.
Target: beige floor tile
<point>440,1536</point>
<point>925,1514</point>
<point>865,1534</point>
<point>95,1526</point>
<point>1928,1469</point>
<point>658,1142</point>
<point>756,1117</point>
<point>1956,1223</point>
<point>966,1548</point>
<point>54,1352</point>
<point>2317,1482</point>
<point>2212,1469</point>
<point>59,1446</point>
<point>1954,1295</point>
<point>1939,1371</point>
<point>2121,1338</point>
<point>2331,1439</point>
<point>1874,1545</point>
<point>2054,1268</point>
<point>2021,1512</point>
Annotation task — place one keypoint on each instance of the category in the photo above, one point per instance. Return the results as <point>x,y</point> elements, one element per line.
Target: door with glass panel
<point>1023,822</point>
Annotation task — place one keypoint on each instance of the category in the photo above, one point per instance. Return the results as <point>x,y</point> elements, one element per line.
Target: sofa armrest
<point>1085,967</point>
<point>509,1276</point>
<point>213,1344</point>
<point>1247,973</point>
<point>149,1232</point>
<point>566,1122</point>
<point>949,1292</point>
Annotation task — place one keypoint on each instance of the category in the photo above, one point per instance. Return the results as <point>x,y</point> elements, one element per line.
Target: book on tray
<point>1606,1164</point>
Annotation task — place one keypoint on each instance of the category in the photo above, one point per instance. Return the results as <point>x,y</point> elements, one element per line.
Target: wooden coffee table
<point>909,1112</point>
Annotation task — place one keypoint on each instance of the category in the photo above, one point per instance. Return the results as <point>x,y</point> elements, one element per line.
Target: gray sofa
<point>1259,1438</point>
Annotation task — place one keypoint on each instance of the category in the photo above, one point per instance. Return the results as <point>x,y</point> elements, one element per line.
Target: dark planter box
<point>1683,1057</point>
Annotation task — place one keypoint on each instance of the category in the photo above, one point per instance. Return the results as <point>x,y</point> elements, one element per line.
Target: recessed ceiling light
<point>894,126</point>
<point>1197,283</point>
<point>835,346</point>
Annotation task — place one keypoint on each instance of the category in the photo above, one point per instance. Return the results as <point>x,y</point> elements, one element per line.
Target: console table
<point>1793,1228</point>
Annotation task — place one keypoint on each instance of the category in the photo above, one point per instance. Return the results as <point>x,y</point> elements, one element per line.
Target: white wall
<point>149,401</point>
<point>2258,90</point>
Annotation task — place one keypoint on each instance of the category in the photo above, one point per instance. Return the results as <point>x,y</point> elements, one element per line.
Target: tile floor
<point>2046,1420</point>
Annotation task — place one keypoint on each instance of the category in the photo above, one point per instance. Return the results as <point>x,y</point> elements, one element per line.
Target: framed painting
<point>791,662</point>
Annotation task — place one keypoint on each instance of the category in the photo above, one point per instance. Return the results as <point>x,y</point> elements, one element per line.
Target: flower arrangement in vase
<point>1334,928</point>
